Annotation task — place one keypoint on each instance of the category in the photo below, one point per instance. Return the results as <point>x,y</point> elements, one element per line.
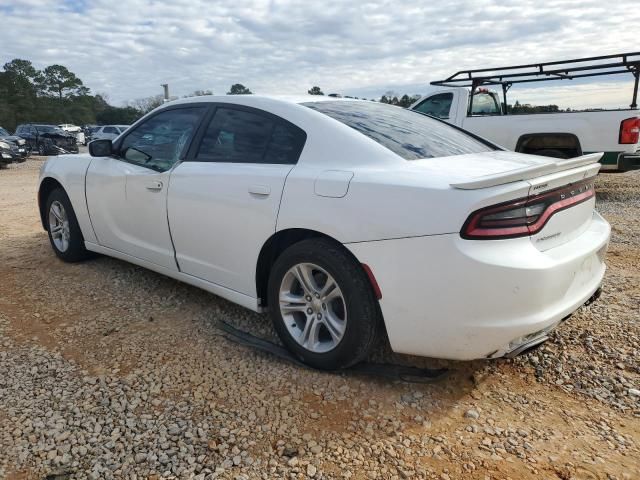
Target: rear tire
<point>42,151</point>
<point>341,323</point>
<point>65,235</point>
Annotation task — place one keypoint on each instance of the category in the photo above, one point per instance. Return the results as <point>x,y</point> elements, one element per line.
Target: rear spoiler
<point>527,173</point>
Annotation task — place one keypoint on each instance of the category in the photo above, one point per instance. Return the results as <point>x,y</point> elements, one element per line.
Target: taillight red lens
<point>524,216</point>
<point>629,130</point>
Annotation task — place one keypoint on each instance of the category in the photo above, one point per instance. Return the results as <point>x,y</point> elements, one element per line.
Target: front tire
<point>322,304</point>
<point>65,235</point>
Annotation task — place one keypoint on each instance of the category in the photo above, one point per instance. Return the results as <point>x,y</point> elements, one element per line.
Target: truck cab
<point>465,99</point>
<point>453,104</point>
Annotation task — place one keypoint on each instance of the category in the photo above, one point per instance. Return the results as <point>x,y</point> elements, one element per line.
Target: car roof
<point>248,99</point>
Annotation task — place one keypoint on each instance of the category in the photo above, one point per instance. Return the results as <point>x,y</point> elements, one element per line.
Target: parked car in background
<point>343,219</point>
<point>77,131</point>
<point>12,148</point>
<point>88,130</point>
<point>464,100</point>
<point>108,132</point>
<point>47,139</point>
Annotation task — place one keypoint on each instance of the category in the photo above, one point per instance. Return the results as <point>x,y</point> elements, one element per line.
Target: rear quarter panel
<point>384,203</point>
<point>70,171</point>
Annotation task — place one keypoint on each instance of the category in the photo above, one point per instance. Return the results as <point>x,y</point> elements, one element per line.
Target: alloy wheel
<point>313,307</point>
<point>59,226</point>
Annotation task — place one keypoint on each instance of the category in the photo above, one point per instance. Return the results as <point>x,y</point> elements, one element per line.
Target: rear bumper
<point>446,297</point>
<point>623,162</point>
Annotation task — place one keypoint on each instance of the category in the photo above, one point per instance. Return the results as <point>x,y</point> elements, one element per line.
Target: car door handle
<point>154,186</point>
<point>263,190</point>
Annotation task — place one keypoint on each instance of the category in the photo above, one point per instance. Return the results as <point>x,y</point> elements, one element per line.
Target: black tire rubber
<point>42,150</point>
<point>551,152</point>
<point>76,251</point>
<point>363,311</point>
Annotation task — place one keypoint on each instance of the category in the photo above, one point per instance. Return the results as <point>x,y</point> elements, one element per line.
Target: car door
<point>224,198</point>
<point>127,192</point>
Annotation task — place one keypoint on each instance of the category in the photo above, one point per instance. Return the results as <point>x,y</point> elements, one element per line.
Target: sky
<point>128,48</point>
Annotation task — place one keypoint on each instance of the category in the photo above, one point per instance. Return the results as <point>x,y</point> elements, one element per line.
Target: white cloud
<point>128,48</point>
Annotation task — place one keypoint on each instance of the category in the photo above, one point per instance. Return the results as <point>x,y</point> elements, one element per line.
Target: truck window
<point>485,103</point>
<point>437,105</point>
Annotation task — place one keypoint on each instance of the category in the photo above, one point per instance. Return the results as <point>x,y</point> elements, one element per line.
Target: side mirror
<point>101,148</point>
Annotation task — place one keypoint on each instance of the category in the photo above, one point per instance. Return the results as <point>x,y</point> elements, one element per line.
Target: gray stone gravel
<point>109,371</point>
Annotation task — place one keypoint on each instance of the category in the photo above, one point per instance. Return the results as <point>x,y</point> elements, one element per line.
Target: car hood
<point>487,169</point>
<point>12,138</point>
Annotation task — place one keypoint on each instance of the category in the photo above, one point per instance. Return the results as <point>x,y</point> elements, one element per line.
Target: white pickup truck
<point>558,134</point>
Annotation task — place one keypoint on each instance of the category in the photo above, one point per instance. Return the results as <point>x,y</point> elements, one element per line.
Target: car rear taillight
<point>524,216</point>
<point>629,130</point>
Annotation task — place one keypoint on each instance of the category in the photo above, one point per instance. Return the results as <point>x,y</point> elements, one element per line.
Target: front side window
<point>407,133</point>
<point>437,105</point>
<point>240,136</point>
<point>485,103</point>
<point>159,142</point>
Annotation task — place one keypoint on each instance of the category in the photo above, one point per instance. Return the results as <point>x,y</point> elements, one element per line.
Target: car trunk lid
<point>559,201</point>
<point>497,168</point>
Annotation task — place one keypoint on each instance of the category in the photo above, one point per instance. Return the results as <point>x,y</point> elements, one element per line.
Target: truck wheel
<point>322,304</point>
<point>42,151</point>
<point>62,225</point>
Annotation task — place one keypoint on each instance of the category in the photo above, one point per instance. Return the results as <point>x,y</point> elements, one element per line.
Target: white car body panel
<point>206,223</point>
<point>232,213</point>
<point>70,173</point>
<point>451,313</point>
<point>128,212</point>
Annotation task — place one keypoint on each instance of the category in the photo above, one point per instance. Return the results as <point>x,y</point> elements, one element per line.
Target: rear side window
<point>485,104</point>
<point>240,136</point>
<point>409,134</point>
<point>437,105</point>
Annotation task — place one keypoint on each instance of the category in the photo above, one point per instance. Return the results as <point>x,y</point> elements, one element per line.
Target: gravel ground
<point>111,371</point>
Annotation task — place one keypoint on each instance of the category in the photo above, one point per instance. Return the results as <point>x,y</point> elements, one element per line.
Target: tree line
<point>53,95</point>
<point>57,95</point>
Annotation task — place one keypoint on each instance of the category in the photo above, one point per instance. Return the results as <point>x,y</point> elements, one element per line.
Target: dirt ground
<point>129,369</point>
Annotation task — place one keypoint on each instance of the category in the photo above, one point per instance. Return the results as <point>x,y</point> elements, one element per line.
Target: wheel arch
<point>276,245</point>
<point>47,185</point>
<point>568,143</point>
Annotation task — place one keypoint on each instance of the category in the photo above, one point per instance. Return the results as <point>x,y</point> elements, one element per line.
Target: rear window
<point>409,134</point>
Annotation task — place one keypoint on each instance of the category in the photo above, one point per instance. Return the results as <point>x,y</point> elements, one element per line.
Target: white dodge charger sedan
<point>341,218</point>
